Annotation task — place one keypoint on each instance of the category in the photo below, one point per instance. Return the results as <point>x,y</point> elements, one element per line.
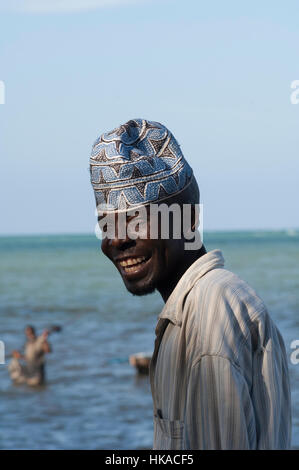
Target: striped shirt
<point>219,372</point>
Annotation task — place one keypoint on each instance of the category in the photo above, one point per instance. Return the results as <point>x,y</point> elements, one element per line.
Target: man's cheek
<point>105,248</point>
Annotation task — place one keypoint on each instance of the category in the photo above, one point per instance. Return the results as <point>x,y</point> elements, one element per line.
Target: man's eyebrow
<point>128,216</point>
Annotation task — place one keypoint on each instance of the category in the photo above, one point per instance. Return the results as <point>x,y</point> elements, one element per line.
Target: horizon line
<point>293,230</point>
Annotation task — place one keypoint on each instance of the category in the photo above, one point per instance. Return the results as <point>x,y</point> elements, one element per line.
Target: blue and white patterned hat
<point>138,163</point>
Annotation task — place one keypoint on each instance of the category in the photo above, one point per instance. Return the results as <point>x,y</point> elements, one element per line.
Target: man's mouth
<point>133,264</point>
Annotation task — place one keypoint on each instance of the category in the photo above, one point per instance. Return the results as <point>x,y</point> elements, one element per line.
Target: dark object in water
<point>141,362</point>
<point>54,328</point>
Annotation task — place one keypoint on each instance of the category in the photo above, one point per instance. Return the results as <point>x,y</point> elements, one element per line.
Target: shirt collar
<point>174,306</point>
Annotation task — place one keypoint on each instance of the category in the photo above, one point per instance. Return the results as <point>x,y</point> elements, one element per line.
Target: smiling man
<point>219,374</point>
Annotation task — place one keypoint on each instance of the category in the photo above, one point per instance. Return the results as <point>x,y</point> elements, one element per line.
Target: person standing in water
<point>33,371</point>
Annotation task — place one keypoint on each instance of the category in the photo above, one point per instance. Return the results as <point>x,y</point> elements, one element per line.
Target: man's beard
<point>148,287</point>
<point>143,290</point>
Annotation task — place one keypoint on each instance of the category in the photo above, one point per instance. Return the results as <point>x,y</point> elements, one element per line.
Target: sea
<point>93,398</point>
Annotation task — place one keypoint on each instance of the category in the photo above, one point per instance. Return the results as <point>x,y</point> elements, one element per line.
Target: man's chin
<point>142,289</point>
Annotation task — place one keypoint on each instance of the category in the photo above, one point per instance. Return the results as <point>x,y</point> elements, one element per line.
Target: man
<point>219,374</point>
<point>33,371</point>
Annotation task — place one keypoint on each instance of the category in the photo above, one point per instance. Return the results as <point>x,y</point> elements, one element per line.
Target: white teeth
<point>128,270</point>
<point>131,262</point>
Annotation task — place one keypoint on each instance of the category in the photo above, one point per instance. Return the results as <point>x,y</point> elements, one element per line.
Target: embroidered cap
<point>138,163</point>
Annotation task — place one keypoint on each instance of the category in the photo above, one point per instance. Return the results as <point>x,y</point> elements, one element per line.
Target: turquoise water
<point>93,399</point>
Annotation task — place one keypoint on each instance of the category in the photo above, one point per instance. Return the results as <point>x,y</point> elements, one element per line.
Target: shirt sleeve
<point>219,411</point>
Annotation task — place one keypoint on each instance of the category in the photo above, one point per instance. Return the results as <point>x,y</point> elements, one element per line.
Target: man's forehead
<point>144,210</point>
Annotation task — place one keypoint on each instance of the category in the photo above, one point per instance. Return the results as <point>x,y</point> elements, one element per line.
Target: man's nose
<point>121,244</point>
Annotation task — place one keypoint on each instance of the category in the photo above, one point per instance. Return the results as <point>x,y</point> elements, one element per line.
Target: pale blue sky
<point>217,73</point>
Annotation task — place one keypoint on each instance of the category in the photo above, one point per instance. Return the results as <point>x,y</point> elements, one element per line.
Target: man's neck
<point>190,257</point>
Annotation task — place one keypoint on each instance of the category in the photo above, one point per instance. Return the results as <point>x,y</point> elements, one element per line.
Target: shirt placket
<point>160,329</point>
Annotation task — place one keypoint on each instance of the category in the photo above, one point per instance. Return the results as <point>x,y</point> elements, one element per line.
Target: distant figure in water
<point>33,371</point>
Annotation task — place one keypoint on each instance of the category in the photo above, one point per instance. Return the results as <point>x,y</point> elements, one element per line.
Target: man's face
<point>144,264</point>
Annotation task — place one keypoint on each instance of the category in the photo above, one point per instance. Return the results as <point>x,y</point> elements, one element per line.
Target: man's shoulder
<point>223,288</point>
<point>224,315</point>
